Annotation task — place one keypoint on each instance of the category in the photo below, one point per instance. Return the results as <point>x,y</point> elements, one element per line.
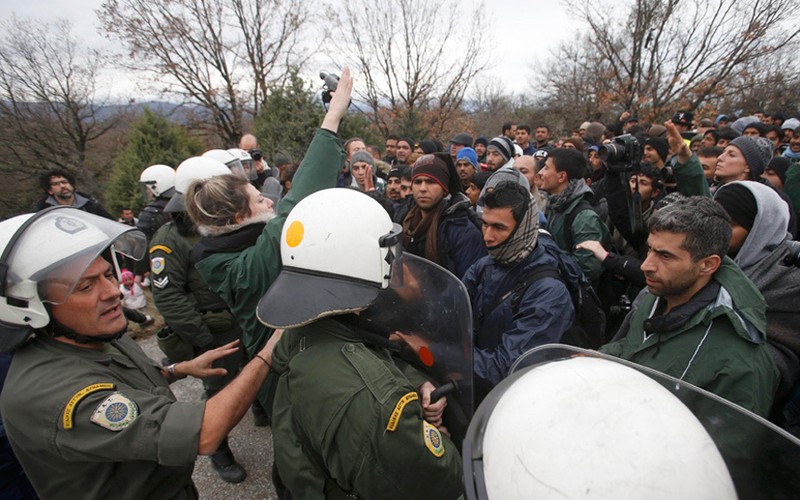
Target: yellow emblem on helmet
<point>295,233</point>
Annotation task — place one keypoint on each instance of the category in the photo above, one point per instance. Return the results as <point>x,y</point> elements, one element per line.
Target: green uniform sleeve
<point>127,424</point>
<point>170,268</point>
<point>690,179</point>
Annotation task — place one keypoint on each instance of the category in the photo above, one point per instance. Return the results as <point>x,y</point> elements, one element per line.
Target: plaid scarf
<point>521,241</point>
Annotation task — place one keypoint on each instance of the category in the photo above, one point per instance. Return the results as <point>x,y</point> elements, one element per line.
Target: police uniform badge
<point>115,413</point>
<point>433,439</point>
<point>157,265</point>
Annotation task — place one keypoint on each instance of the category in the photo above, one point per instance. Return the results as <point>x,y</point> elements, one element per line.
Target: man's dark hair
<point>705,223</point>
<point>407,174</point>
<point>728,134</point>
<point>713,133</point>
<point>544,125</point>
<point>526,128</point>
<point>480,178</point>
<point>710,151</point>
<point>651,172</point>
<point>570,161</point>
<point>44,177</point>
<point>393,137</point>
<point>507,126</point>
<point>776,129</point>
<point>509,194</point>
<point>756,125</point>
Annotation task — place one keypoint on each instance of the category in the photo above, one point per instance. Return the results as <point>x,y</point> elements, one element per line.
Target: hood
<point>741,302</point>
<point>769,228</point>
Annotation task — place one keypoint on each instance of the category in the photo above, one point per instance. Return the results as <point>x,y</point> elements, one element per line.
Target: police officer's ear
<point>709,265</point>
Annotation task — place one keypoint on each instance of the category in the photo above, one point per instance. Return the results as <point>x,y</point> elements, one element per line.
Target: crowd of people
<point>671,246</point>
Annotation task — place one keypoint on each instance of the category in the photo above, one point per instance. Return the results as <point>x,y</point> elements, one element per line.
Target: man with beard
<point>700,319</point>
<point>59,186</point>
<point>438,226</point>
<point>399,194</point>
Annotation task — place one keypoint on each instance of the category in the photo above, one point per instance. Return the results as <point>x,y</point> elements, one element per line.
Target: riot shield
<point>762,460</point>
<point>431,314</point>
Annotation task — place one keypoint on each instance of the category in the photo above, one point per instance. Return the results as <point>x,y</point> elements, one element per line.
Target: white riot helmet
<point>192,169</point>
<point>158,180</point>
<point>230,160</point>
<point>588,427</point>
<point>44,256</point>
<point>247,162</point>
<point>337,249</point>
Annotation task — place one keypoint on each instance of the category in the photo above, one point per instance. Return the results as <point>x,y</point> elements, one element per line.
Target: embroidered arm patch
<point>115,413</point>
<point>433,439</point>
<point>66,417</point>
<point>398,410</point>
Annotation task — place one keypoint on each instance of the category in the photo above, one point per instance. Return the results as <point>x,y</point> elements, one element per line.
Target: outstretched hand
<point>676,143</point>
<point>340,101</point>
<point>200,366</point>
<point>595,247</point>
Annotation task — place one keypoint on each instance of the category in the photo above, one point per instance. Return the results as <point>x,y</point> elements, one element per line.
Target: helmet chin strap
<point>56,329</point>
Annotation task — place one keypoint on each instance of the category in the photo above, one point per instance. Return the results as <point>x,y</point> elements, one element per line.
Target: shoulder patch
<point>398,410</point>
<point>433,439</point>
<point>115,413</point>
<point>158,265</point>
<point>66,417</point>
<point>163,248</point>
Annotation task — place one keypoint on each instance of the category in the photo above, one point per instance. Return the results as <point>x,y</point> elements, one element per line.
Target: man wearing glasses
<point>59,186</point>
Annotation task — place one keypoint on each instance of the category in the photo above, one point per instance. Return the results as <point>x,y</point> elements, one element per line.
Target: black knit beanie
<point>740,204</point>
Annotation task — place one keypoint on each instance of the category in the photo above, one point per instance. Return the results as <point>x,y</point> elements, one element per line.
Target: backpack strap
<point>528,279</point>
<point>570,218</point>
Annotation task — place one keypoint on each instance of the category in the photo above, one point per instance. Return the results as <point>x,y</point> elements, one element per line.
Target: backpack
<point>570,218</point>
<point>588,330</point>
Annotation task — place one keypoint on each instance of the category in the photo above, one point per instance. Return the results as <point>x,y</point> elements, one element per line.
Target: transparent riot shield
<point>432,320</point>
<point>763,461</point>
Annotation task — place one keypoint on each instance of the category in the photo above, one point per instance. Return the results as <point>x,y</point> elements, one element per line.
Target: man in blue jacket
<point>512,312</point>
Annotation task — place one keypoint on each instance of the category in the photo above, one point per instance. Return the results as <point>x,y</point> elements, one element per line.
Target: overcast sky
<point>523,31</point>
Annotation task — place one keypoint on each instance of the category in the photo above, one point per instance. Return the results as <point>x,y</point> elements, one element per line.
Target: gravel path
<point>251,445</point>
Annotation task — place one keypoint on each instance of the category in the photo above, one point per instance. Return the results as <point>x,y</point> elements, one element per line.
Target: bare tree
<point>220,55</point>
<point>660,55</point>
<point>50,113</point>
<point>415,67</point>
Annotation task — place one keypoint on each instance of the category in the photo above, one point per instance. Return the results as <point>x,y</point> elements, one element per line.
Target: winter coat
<point>543,314</point>
<point>716,341</point>
<point>459,240</point>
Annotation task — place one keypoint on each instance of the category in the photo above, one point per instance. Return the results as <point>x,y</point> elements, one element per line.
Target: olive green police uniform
<point>348,424</point>
<point>198,318</point>
<point>89,424</point>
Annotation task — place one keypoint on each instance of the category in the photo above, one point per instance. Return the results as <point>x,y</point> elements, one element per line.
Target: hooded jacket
<point>716,341</point>
<point>761,259</point>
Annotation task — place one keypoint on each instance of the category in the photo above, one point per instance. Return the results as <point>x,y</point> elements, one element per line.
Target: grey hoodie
<point>761,259</point>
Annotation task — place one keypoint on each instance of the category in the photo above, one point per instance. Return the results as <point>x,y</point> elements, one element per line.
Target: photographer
<point>250,144</point>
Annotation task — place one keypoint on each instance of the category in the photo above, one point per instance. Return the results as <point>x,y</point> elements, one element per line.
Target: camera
<point>793,259</point>
<point>255,154</point>
<point>622,154</point>
<point>331,83</point>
